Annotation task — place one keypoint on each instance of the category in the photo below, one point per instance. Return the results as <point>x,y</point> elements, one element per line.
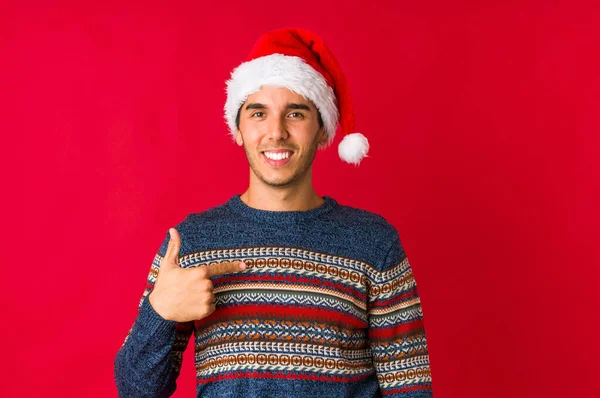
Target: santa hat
<point>300,61</point>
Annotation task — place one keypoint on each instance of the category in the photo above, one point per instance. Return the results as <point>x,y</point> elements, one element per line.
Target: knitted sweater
<point>327,307</point>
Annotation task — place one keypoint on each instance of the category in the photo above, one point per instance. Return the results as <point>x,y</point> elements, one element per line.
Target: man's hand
<point>186,294</point>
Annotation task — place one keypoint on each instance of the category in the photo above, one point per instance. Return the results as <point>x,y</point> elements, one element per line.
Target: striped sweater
<point>327,307</point>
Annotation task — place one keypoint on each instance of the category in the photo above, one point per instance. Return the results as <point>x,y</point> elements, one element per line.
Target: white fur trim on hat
<point>282,71</point>
<point>353,148</point>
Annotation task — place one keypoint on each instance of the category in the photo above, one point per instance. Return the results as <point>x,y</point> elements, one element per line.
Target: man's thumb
<point>172,254</point>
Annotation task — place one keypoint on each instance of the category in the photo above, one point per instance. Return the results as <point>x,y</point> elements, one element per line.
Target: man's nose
<point>278,128</point>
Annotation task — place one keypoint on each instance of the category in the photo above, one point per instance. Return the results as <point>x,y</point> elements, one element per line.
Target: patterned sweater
<point>327,307</point>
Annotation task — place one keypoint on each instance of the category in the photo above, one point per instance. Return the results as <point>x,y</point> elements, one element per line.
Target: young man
<point>288,294</point>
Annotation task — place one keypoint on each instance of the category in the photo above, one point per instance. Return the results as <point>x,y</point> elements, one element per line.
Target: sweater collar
<point>237,205</point>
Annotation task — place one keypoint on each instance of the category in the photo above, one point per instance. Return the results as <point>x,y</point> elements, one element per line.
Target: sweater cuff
<point>153,324</point>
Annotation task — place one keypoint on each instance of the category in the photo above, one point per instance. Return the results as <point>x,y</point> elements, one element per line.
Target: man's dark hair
<point>237,118</point>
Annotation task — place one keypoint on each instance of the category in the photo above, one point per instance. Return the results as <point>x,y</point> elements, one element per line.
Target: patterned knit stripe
<point>281,331</point>
<point>397,366</point>
<point>400,348</point>
<point>290,375</point>
<point>289,289</point>
<point>276,362</point>
<point>255,275</point>
<point>396,280</point>
<point>290,254</point>
<point>267,347</point>
<point>397,330</point>
<point>270,267</point>
<point>399,299</point>
<point>278,311</point>
<point>301,300</point>
<point>380,308</point>
<point>296,335</point>
<point>418,375</point>
<point>408,314</point>
<point>412,362</point>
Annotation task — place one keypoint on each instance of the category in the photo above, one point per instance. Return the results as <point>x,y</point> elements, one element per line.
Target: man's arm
<point>149,360</point>
<point>396,328</point>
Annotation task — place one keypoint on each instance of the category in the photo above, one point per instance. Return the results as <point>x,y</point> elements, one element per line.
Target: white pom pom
<point>353,148</point>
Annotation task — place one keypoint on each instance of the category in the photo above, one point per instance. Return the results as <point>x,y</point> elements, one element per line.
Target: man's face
<point>280,132</point>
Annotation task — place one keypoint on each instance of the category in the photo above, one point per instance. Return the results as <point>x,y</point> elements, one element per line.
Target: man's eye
<point>257,113</point>
<point>296,113</point>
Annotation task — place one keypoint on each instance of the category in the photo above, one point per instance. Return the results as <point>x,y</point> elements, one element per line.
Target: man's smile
<point>277,158</point>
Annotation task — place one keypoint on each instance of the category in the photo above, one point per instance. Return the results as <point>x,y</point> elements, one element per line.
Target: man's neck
<point>284,199</point>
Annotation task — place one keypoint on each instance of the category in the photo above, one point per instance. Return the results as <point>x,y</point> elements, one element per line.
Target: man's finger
<point>173,247</point>
<point>225,268</point>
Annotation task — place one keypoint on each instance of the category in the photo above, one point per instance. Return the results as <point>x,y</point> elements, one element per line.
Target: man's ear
<point>323,136</point>
<point>238,137</point>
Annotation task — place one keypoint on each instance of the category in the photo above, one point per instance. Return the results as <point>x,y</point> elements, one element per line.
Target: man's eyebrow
<point>291,105</point>
<point>255,105</point>
<point>298,106</point>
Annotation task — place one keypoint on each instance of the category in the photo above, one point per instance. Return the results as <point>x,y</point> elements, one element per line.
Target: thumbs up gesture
<point>186,294</point>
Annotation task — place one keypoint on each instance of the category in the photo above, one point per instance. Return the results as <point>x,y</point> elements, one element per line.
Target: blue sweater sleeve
<point>149,360</point>
<point>397,329</point>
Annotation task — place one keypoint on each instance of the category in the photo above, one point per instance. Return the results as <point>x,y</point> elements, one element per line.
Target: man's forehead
<point>277,96</point>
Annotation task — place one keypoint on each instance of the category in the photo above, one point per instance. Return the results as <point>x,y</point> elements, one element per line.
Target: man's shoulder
<point>360,233</point>
<point>366,220</point>
<point>199,229</point>
<point>203,220</point>
<point>214,213</point>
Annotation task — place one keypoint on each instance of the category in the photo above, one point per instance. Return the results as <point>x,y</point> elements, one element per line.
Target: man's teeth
<point>277,156</point>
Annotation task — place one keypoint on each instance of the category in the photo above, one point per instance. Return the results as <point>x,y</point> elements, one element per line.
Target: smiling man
<point>288,293</point>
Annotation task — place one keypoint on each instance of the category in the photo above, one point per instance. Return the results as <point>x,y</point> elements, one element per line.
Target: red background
<point>483,121</point>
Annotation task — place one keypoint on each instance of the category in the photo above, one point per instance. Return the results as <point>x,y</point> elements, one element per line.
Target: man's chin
<point>273,181</point>
<point>278,183</point>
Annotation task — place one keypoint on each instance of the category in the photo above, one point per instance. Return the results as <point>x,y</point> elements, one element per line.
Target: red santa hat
<point>300,61</point>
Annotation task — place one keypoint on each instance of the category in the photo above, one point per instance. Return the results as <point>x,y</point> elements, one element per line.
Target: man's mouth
<point>278,157</point>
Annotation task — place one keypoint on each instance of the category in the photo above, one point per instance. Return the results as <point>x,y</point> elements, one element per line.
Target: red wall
<point>483,122</point>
